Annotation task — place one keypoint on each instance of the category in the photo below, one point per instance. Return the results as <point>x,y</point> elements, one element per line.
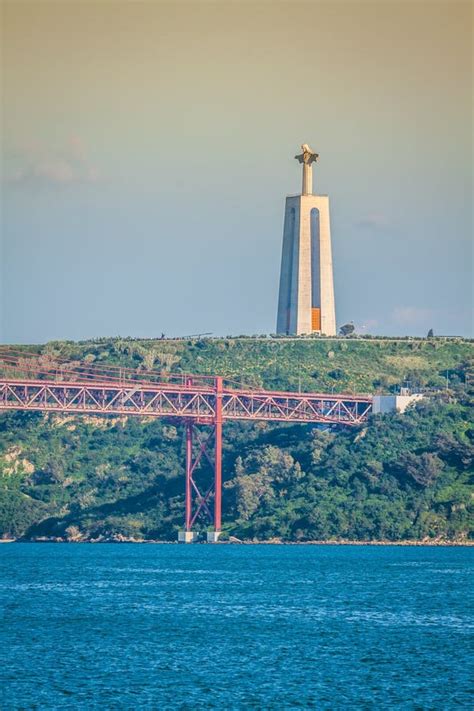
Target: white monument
<point>306,299</point>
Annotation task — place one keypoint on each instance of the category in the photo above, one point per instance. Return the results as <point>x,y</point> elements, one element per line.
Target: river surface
<point>97,626</point>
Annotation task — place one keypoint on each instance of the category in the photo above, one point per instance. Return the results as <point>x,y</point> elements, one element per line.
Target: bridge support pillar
<point>189,476</point>
<point>198,501</point>
<point>188,535</point>
<point>213,536</point>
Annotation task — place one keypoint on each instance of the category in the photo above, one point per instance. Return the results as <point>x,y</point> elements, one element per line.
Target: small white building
<point>392,403</point>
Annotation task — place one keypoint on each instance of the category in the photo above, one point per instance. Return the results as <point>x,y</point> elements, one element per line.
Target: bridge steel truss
<point>209,404</point>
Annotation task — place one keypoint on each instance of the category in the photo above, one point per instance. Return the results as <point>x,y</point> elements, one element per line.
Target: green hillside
<point>314,364</point>
<point>399,477</point>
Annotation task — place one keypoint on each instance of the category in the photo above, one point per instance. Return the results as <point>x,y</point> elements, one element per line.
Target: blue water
<point>234,627</point>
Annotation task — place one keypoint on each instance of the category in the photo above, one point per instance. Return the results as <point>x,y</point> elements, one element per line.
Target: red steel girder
<point>165,400</point>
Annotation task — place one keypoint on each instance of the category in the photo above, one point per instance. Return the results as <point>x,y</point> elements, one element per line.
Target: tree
<point>347,329</point>
<point>424,469</point>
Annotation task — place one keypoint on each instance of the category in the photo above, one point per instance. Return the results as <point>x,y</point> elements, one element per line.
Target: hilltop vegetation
<point>312,364</point>
<point>399,477</point>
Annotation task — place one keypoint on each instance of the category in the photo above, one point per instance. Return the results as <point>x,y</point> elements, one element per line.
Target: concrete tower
<point>306,299</point>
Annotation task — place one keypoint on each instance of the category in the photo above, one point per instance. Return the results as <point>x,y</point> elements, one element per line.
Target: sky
<point>147,149</point>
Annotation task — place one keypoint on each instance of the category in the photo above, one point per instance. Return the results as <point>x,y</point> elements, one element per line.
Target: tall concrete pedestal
<point>306,298</point>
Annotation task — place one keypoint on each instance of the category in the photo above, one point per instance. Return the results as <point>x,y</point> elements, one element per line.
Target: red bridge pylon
<point>204,502</point>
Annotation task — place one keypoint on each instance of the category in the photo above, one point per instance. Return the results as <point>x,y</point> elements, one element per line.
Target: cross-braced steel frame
<point>199,501</point>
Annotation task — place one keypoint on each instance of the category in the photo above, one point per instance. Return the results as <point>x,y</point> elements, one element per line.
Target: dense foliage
<point>399,477</point>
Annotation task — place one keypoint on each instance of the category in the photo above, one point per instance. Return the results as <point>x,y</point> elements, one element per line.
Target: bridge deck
<point>185,401</point>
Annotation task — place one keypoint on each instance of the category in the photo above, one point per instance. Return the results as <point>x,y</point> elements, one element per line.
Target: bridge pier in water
<point>198,501</point>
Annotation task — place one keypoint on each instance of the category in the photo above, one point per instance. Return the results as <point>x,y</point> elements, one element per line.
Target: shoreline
<point>272,542</point>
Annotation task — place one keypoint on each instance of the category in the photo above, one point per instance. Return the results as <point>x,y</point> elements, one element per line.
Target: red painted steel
<point>182,401</point>
<point>35,383</point>
<point>189,464</point>
<point>197,502</point>
<point>218,456</point>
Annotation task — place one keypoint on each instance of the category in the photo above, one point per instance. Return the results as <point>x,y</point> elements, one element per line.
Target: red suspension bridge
<point>32,382</point>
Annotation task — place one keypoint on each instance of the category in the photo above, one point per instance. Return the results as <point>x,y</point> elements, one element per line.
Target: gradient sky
<point>147,149</point>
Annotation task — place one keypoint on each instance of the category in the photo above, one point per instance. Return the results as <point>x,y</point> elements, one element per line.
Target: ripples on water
<point>235,627</point>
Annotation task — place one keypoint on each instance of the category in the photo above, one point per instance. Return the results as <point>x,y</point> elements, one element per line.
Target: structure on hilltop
<point>306,298</point>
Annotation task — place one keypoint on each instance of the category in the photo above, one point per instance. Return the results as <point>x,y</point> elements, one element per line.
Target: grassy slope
<point>314,364</point>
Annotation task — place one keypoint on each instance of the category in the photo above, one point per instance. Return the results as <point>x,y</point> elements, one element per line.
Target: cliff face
<point>401,477</point>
